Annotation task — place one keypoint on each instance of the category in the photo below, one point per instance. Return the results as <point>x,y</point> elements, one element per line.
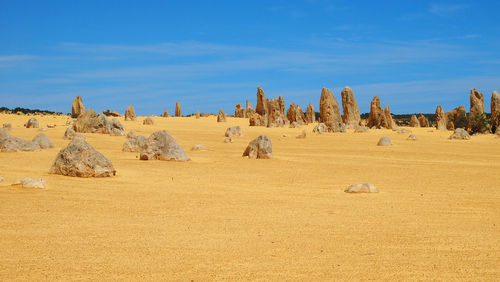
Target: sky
<point>209,55</point>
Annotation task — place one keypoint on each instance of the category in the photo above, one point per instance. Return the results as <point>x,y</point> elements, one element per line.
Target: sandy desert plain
<point>221,216</point>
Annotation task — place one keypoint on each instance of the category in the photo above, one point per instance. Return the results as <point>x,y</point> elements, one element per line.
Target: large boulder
<point>460,133</point>
<point>148,121</point>
<point>423,121</point>
<point>77,108</point>
<point>320,128</point>
<point>161,146</point>
<point>222,116</point>
<point>43,141</point>
<point>80,159</point>
<point>295,114</point>
<point>259,148</point>
<point>310,114</point>
<point>90,122</point>
<point>130,114</point>
<point>178,112</point>
<point>495,111</point>
<point>456,118</point>
<point>69,134</point>
<point>414,121</point>
<point>32,123</point>
<point>329,111</point>
<point>134,143</point>
<point>276,117</point>
<point>13,144</point>
<point>233,131</point>
<point>351,115</point>
<point>384,141</point>
<point>377,117</point>
<point>440,118</point>
<point>477,117</point>
<point>239,111</point>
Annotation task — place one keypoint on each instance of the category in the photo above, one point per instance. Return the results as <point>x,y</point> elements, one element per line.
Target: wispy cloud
<point>446,9</point>
<point>11,58</point>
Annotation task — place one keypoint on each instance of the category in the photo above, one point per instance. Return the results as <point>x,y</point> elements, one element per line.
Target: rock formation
<point>377,116</point>
<point>259,148</point>
<point>477,116</point>
<point>162,146</point>
<point>178,112</point>
<point>361,188</point>
<point>43,141</point>
<point>32,123</point>
<point>222,116</point>
<point>440,118</point>
<point>412,137</point>
<point>165,113</point>
<point>329,112</point>
<point>109,113</point>
<point>148,121</point>
<point>249,110</point>
<point>384,141</point>
<point>320,128</point>
<point>391,124</point>
<point>90,122</point>
<point>351,116</point>
<point>310,114</point>
<point>77,108</point>
<point>257,120</point>
<point>69,133</point>
<point>456,118</point>
<point>13,144</point>
<point>261,107</point>
<point>361,129</point>
<point>414,121</point>
<point>295,114</point>
<point>233,131</point>
<point>495,111</point>
<point>423,121</point>
<point>460,133</point>
<point>130,113</point>
<point>197,114</point>
<point>134,143</point>
<point>239,112</point>
<point>276,117</point>
<point>80,159</point>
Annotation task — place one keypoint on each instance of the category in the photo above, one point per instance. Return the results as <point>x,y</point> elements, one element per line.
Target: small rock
<point>285,135</point>
<point>229,140</point>
<point>233,131</point>
<point>295,125</point>
<point>7,126</point>
<point>361,129</point>
<point>403,130</point>
<point>199,147</point>
<point>1,179</point>
<point>43,141</point>
<point>148,121</point>
<point>30,183</point>
<point>32,123</point>
<point>259,148</point>
<point>51,125</point>
<point>384,141</point>
<point>69,134</point>
<point>412,137</point>
<point>302,135</point>
<point>460,133</point>
<point>162,146</point>
<point>361,188</point>
<point>320,128</point>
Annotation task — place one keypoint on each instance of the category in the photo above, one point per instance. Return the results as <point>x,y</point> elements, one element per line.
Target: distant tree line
<point>28,111</point>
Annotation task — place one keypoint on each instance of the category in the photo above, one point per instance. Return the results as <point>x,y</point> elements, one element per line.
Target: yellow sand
<point>224,217</point>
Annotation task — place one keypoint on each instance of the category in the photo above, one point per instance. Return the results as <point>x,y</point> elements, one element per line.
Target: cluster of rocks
<point>90,122</point>
<point>270,113</point>
<point>222,116</point>
<point>9,143</point>
<point>158,146</point>
<point>378,117</point>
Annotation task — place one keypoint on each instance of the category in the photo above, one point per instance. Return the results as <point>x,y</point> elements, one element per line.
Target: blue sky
<point>212,54</point>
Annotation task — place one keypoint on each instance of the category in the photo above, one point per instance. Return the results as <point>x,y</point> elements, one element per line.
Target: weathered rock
<point>276,118</point>
<point>43,141</point>
<point>281,102</point>
<point>30,183</point>
<point>80,159</point>
<point>456,118</point>
<point>361,129</point>
<point>199,147</point>
<point>423,121</point>
<point>412,137</point>
<point>377,117</point>
<point>351,117</point>
<point>77,108</point>
<point>384,141</point>
<point>440,118</point>
<point>477,116</point>
<point>249,110</point>
<point>90,122</point>
<point>32,123</point>
<point>257,120</point>
<point>229,140</point>
<point>130,114</point>
<point>233,131</point>
<point>197,114</point>
<point>310,114</point>
<point>460,133</point>
<point>403,130</point>
<point>261,107</point>
<point>329,112</point>
<point>295,114</point>
<point>414,121</point>
<point>259,148</point>
<point>109,113</point>
<point>320,128</point>
<point>295,125</point>
<point>222,116</point>
<point>4,135</point>
<point>7,126</point>
<point>391,124</point>
<point>1,179</point>
<point>69,133</point>
<point>162,146</point>
<point>362,188</point>
<point>134,143</point>
<point>165,113</point>
<point>148,121</point>
<point>495,112</point>
<point>51,126</point>
<point>239,112</point>
<point>302,135</point>
<point>14,144</point>
<point>178,112</point>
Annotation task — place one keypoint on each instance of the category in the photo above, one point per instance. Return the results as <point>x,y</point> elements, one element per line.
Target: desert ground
<point>224,217</point>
